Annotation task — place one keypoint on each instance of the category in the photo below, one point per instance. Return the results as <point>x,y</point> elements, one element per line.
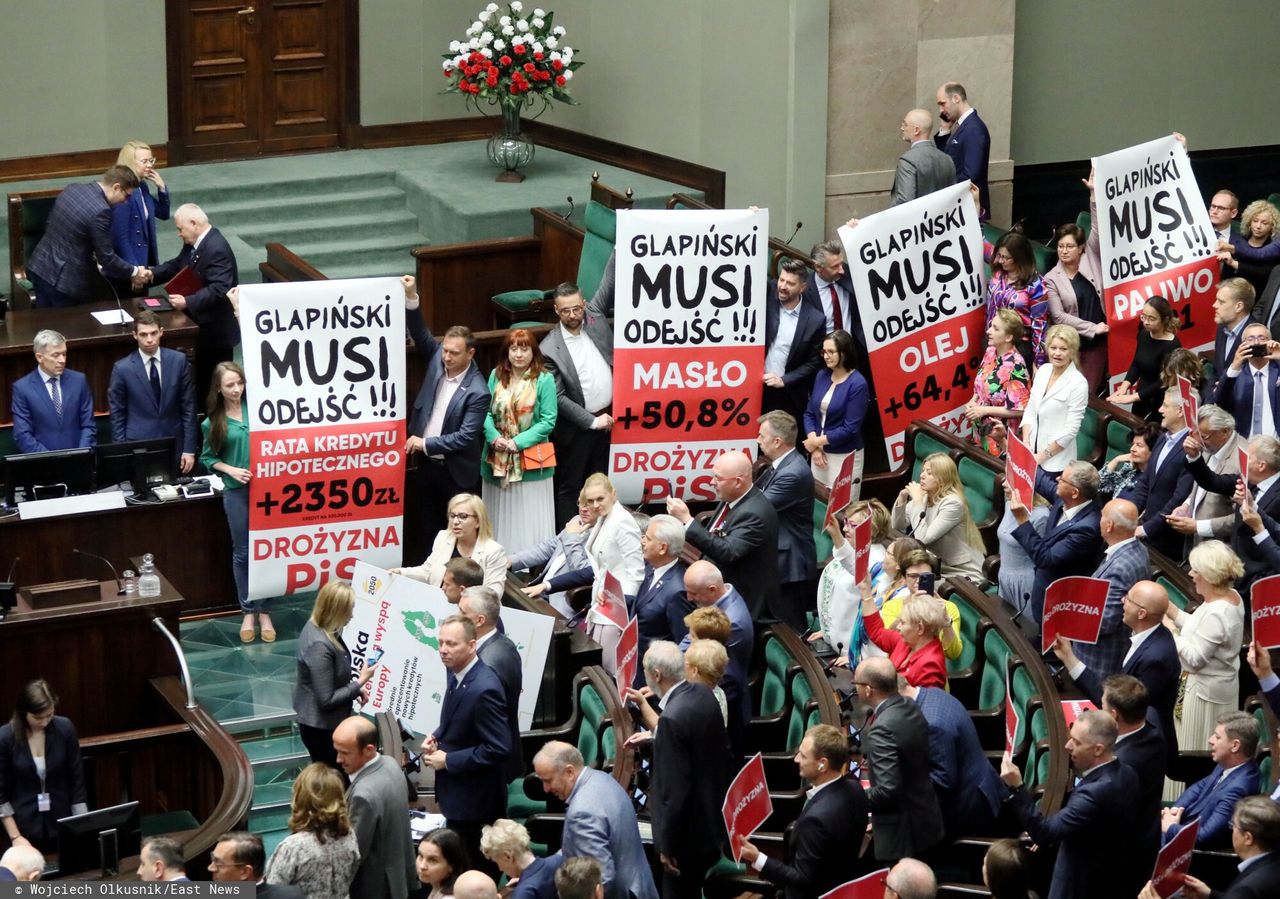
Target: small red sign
<point>861,550</point>
<point>1264,599</point>
<point>1073,609</point>
<point>626,657</point>
<point>1020,471</point>
<point>747,804</point>
<point>1174,860</point>
<point>1190,407</point>
<point>1074,708</point>
<point>611,603</point>
<point>868,886</point>
<point>841,489</point>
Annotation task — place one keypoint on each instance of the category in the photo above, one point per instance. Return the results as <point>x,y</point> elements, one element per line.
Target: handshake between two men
<point>144,276</point>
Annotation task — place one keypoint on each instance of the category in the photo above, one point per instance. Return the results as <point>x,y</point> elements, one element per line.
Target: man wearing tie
<point>1205,514</point>
<point>481,606</point>
<point>1125,562</point>
<point>1232,306</point>
<point>151,393</point>
<point>1210,801</point>
<point>787,483</point>
<point>1249,390</point>
<point>468,749</point>
<point>1165,481</point>
<point>52,407</point>
<point>830,291</point>
<point>660,604</point>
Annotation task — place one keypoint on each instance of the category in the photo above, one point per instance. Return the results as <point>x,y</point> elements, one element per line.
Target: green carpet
<point>357,213</point>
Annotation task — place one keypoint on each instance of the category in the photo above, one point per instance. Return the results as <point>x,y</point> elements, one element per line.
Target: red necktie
<point>719,522</point>
<point>836,318</point>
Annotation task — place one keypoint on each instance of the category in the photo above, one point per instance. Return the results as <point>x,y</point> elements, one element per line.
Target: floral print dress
<point>1000,381</point>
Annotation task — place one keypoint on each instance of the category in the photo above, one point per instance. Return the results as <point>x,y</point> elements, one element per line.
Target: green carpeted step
<point>303,207</point>
<point>263,187</point>
<point>392,224</point>
<point>274,750</point>
<point>272,796</point>
<point>271,819</point>
<point>371,256</point>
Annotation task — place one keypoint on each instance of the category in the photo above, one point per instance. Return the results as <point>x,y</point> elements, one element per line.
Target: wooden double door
<point>260,77</point>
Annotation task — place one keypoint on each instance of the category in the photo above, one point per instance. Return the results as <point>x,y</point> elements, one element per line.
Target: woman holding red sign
<point>913,645</point>
<point>834,416</point>
<point>1002,385</point>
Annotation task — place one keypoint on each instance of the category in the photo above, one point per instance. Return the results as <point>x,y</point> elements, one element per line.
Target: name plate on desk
<point>70,505</point>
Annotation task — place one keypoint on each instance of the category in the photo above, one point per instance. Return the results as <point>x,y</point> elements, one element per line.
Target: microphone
<point>568,215</point>
<point>119,306</point>
<point>799,225</point>
<point>8,591</point>
<point>104,561</point>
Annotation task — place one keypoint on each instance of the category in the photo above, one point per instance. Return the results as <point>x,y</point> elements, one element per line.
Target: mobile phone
<point>841,519</point>
<point>1258,350</point>
<point>927,582</point>
<point>374,657</point>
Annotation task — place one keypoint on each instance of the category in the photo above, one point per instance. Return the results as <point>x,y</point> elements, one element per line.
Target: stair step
<point>239,726</point>
<point>369,261</point>
<point>235,191</point>
<point>275,750</point>
<point>272,796</point>
<point>270,819</point>
<point>391,224</point>
<point>232,215</point>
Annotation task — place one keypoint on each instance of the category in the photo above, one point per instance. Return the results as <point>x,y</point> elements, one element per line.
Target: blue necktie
<point>56,395</point>
<point>1259,389</point>
<point>155,379</point>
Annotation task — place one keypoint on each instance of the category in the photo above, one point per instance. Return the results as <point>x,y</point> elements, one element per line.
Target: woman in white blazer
<point>613,546</point>
<point>469,535</point>
<point>1059,395</point>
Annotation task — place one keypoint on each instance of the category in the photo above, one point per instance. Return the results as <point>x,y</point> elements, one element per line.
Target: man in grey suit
<point>599,821</point>
<point>1204,514</point>
<point>378,801</point>
<point>923,168</point>
<point>480,605</point>
<point>579,354</point>
<point>1125,562</point>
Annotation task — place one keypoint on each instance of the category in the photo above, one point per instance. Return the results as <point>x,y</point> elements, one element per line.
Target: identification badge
<point>42,802</point>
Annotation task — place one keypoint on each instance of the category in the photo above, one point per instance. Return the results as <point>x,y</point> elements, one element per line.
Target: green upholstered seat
<point>778,663</point>
<point>1176,596</point>
<point>1119,435</point>
<point>1084,221</point>
<point>924,447</point>
<point>970,622</point>
<point>1046,257</point>
<point>801,696</point>
<point>518,301</point>
<point>994,670</point>
<point>821,539</point>
<point>519,805</point>
<point>1089,438</point>
<point>992,233</point>
<point>594,714</point>
<point>981,486</point>
<point>600,226</point>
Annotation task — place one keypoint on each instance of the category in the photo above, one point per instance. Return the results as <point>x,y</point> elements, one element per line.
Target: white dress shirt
<point>775,360</point>
<point>594,375</point>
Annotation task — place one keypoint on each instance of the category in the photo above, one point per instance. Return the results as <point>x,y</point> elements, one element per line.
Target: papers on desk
<point>422,823</point>
<point>113,317</point>
<point>70,505</point>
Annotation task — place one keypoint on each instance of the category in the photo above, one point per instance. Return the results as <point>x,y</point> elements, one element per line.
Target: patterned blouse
<point>1000,381</point>
<point>321,870</point>
<point>1030,302</point>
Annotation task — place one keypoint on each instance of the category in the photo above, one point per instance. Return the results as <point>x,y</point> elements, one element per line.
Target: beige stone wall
<point>889,56</point>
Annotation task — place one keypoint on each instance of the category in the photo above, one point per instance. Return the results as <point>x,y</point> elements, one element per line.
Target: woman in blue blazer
<point>39,761</point>
<point>133,222</point>
<point>836,410</point>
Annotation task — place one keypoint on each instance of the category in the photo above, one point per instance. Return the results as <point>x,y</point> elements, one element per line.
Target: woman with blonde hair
<point>935,512</point>
<point>320,855</point>
<point>324,690</point>
<point>705,662</point>
<point>1055,409</point>
<point>1259,226</point>
<point>912,644</point>
<point>506,844</point>
<point>133,222</point>
<point>469,535</point>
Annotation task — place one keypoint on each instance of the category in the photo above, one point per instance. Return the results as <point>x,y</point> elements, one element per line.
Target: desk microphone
<point>8,591</point>
<point>119,306</point>
<point>799,225</point>
<point>568,215</point>
<point>104,561</point>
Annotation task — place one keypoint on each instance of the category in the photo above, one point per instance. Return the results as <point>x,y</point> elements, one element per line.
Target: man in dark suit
<point>1094,829</point>
<point>968,787</point>
<point>1232,310</point>
<point>481,606</point>
<point>742,536</point>
<point>1152,657</point>
<point>691,772</point>
<point>1255,837</point>
<point>579,353</point>
<point>52,407</point>
<point>1232,746</point>
<point>923,168</point>
<point>704,585</point>
<point>240,857</point>
<point>660,604</point>
<point>966,140</point>
<point>829,290</point>
<point>62,265</point>
<point>470,747</point>
<point>1125,562</point>
<point>161,859</point>
<point>1140,745</point>
<point>208,256</point>
<point>152,395</point>
<point>787,483</point>
<point>377,801</point>
<point>793,332</point>
<point>1165,482</point>
<point>447,421</point>
<point>1249,389</point>
<point>1263,480</point>
<point>906,819</point>
<point>1070,538</point>
<point>823,850</point>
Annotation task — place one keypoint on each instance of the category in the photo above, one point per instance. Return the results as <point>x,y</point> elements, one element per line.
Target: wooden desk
<point>91,348</point>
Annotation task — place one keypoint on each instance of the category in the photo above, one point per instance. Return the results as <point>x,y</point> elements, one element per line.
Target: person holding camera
<point>1249,391</point>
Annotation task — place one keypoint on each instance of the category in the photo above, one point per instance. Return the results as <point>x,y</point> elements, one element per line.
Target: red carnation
<point>505,60</point>
<point>529,67</point>
<point>560,82</point>
<point>518,48</point>
<point>557,64</point>
<point>537,56</point>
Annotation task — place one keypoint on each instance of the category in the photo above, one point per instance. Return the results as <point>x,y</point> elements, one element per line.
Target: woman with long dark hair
<point>41,775</point>
<point>442,856</point>
<point>1015,284</point>
<point>1157,338</point>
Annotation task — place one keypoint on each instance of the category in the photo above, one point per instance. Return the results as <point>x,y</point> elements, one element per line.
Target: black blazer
<point>1155,662</point>
<point>690,775</point>
<point>215,265</point>
<point>659,609</point>
<point>473,733</point>
<point>1158,492</point>
<point>823,852</point>
<point>744,548</point>
<point>1144,752</point>
<point>500,654</point>
<point>906,819</point>
<point>805,356</point>
<point>1261,880</point>
<point>64,778</point>
<point>789,489</point>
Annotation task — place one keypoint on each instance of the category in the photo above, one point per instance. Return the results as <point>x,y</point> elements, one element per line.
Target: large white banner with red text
<point>688,346</point>
<point>917,275</point>
<point>325,373</point>
<point>1156,241</point>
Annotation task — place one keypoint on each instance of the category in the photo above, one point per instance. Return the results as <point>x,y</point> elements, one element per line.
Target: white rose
<point>447,64</point>
<point>484,15</point>
<point>568,75</point>
<point>474,43</point>
<point>488,54</point>
<point>555,54</point>
<point>567,53</point>
<point>539,13</point>
<point>459,61</point>
<point>505,20</point>
<point>538,23</point>
<point>558,31</point>
<point>486,38</point>
<point>491,8</point>
<point>499,45</point>
<point>522,25</point>
<point>516,5</point>
<point>508,30</point>
<point>454,46</point>
<point>553,43</point>
<point>537,47</point>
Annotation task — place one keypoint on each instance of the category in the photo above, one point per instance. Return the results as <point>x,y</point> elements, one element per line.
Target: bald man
<point>923,168</point>
<point>474,885</point>
<point>741,537</point>
<point>1124,563</point>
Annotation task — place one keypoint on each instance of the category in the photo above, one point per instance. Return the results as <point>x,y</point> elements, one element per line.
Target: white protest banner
<point>1156,240</point>
<point>688,346</point>
<point>917,274</point>
<point>401,616</point>
<point>325,373</point>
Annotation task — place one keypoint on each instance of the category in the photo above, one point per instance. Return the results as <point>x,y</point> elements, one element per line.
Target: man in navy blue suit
<point>1140,745</point>
<point>1165,482</point>
<point>1094,829</point>
<point>151,393</point>
<point>964,137</point>
<point>447,421</point>
<point>793,332</point>
<point>62,265</point>
<point>1069,543</point>
<point>470,746</point>
<point>1232,745</point>
<point>1232,310</point>
<point>660,604</point>
<point>1249,388</point>
<point>52,407</point>
<point>787,483</point>
<point>1125,562</point>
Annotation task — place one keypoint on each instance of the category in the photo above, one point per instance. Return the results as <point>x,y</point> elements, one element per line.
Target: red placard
<point>1073,609</point>
<point>1074,708</point>
<point>626,657</point>
<point>861,549</point>
<point>1190,406</point>
<point>1020,471</point>
<point>1011,718</point>
<point>841,489</point>
<point>1174,860</point>
<point>869,886</point>
<point>747,804</point>
<point>1264,599</point>
<point>611,603</point>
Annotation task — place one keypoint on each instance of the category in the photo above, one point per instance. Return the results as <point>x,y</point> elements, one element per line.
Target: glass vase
<point>510,149</point>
